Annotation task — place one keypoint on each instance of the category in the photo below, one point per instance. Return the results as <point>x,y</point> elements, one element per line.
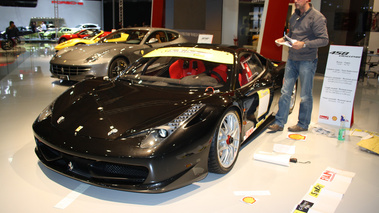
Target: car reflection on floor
<point>9,56</point>
<point>11,59</point>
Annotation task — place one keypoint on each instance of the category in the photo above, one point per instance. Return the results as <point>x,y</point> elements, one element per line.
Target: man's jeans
<point>305,71</point>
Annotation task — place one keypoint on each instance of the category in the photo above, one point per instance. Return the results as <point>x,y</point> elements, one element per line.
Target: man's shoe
<point>274,128</point>
<point>296,128</point>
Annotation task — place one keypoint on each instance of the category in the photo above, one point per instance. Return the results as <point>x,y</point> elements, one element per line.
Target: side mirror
<point>152,40</point>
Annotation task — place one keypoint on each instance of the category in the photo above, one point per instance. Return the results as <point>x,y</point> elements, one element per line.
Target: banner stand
<point>339,85</point>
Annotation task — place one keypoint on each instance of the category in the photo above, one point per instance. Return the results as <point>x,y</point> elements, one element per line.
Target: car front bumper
<point>161,173</point>
<point>78,72</point>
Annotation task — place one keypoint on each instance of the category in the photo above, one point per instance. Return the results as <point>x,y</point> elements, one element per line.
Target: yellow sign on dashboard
<point>195,53</point>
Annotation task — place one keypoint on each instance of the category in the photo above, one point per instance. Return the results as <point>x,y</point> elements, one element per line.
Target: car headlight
<point>46,112</point>
<point>95,57</point>
<point>159,134</point>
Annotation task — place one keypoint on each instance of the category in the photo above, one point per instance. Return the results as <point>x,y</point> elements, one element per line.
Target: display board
<point>340,81</point>
<point>205,39</point>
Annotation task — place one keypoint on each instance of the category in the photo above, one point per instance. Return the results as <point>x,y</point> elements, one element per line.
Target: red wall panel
<point>274,28</point>
<point>157,13</point>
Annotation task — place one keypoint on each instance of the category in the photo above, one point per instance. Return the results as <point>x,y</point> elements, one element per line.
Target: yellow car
<point>81,41</point>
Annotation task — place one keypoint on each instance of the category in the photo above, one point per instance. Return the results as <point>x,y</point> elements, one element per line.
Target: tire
<point>293,98</point>
<point>62,40</point>
<point>7,44</point>
<point>117,66</point>
<point>226,143</point>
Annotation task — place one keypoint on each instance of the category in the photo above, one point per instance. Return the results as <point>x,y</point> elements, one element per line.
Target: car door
<point>253,89</point>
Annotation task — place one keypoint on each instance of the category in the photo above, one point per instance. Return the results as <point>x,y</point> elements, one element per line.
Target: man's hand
<point>278,41</point>
<point>298,45</point>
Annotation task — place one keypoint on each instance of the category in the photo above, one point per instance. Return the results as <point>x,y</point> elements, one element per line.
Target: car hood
<point>117,109</point>
<point>72,53</point>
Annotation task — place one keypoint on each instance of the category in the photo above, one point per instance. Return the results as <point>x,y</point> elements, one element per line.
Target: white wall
<point>90,11</point>
<point>229,21</point>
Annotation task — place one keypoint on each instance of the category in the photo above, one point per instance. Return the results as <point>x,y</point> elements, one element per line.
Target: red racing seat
<point>222,72</point>
<point>181,68</point>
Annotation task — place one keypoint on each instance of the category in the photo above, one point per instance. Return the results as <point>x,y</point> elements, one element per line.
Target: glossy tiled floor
<point>27,186</point>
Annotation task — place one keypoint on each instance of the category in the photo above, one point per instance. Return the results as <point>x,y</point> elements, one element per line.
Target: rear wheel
<point>225,144</point>
<point>117,66</point>
<point>7,44</point>
<point>62,40</point>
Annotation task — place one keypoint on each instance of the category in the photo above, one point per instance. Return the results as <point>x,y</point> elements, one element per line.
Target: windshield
<point>127,36</point>
<point>94,35</point>
<point>178,72</point>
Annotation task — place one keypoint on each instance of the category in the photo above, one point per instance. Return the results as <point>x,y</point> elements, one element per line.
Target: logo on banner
<point>325,117</point>
<point>298,137</point>
<point>249,200</point>
<point>316,190</point>
<point>343,54</point>
<point>340,53</point>
<point>328,176</point>
<point>303,207</point>
<point>334,118</point>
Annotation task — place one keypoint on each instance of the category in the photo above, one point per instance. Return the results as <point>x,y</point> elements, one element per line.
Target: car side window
<point>158,36</point>
<point>249,68</point>
<point>255,65</point>
<point>172,36</point>
<point>84,32</point>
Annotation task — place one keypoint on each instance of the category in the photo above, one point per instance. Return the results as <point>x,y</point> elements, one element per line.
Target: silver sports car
<point>112,54</point>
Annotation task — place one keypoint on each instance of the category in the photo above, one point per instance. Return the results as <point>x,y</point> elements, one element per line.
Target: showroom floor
<point>28,186</point>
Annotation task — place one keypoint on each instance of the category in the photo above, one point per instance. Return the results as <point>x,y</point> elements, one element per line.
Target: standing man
<point>308,27</point>
<point>34,26</point>
<point>11,31</point>
<point>43,27</point>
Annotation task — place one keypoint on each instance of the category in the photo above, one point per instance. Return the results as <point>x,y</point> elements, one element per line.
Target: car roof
<point>148,28</point>
<point>88,24</point>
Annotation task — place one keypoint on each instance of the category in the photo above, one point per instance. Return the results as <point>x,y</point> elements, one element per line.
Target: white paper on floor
<point>271,157</point>
<point>326,193</point>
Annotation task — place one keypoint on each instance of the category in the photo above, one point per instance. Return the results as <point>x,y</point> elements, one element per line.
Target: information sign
<point>340,81</point>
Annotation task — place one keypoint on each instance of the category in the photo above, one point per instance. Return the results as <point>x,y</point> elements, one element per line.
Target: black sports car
<point>172,116</point>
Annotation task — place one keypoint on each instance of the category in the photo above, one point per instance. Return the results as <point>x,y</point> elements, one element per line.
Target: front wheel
<point>7,44</point>
<point>117,66</point>
<point>225,144</point>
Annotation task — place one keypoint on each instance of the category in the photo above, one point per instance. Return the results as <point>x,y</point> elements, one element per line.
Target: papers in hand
<point>287,41</point>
